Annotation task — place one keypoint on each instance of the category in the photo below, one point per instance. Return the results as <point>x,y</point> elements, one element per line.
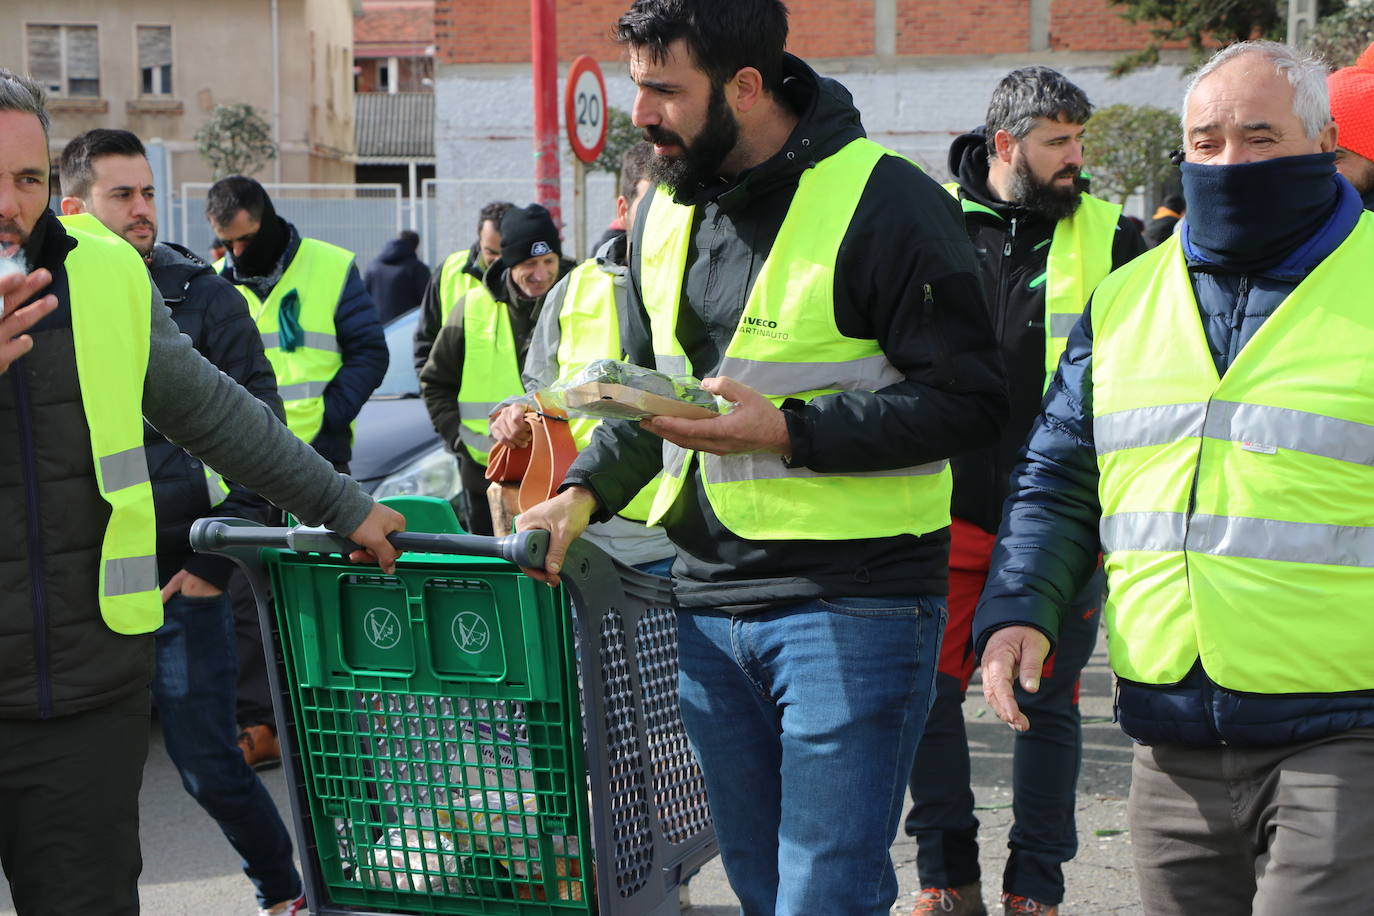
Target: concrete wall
<point>221,54</point>
<point>484,113</point>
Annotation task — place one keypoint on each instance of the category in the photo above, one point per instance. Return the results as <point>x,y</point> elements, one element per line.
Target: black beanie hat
<point>528,232</point>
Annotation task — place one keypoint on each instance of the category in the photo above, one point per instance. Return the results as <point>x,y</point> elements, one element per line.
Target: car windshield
<point>400,380</point>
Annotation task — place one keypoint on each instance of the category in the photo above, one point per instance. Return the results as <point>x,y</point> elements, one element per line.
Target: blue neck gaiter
<point>1248,217</point>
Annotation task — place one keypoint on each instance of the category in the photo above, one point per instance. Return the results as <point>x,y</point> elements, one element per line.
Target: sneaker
<point>965,900</point>
<point>260,749</point>
<point>286,907</point>
<point>1015,905</point>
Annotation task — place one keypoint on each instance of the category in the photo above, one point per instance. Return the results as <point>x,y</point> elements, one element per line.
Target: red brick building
<point>920,72</point>
<point>465,33</point>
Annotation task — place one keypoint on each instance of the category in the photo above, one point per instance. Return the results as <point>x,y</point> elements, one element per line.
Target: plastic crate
<point>445,752</point>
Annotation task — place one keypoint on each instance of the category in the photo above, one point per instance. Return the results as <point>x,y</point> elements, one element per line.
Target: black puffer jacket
<point>905,277</point>
<point>1013,248</point>
<point>207,309</point>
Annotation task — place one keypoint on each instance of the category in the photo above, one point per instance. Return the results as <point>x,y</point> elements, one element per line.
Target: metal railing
<point>359,217</point>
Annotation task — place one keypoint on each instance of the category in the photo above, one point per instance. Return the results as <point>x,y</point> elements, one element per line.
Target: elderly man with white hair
<point>1211,431</point>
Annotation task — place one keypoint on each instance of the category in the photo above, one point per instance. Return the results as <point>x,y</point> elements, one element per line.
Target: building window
<point>155,59</point>
<point>383,78</point>
<point>65,59</point>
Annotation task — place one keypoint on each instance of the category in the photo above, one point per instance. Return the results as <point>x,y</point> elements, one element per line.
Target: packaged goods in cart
<point>616,390</point>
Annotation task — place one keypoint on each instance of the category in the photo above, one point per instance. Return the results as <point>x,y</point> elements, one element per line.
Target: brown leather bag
<point>505,464</point>
<point>552,451</point>
<point>540,466</point>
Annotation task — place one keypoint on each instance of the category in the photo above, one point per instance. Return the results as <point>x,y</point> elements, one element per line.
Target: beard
<point>1042,196</point>
<point>700,160</point>
<point>143,248</point>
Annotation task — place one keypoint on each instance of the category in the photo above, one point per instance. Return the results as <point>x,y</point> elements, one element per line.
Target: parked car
<point>396,451</point>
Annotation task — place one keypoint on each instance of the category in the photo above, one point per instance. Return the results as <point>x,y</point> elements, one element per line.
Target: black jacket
<point>362,345</point>
<point>207,309</point>
<point>396,279</point>
<point>431,309</point>
<point>1048,543</point>
<point>906,277</point>
<point>1012,250</point>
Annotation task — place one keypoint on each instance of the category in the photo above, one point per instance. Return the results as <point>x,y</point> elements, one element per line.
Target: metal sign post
<point>544,50</point>
<point>584,113</point>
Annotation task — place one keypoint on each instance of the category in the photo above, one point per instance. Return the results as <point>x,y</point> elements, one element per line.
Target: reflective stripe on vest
<point>317,274</point>
<point>110,300</point>
<point>589,329</point>
<point>1080,256</point>
<point>455,282</point>
<point>215,488</point>
<point>491,369</point>
<point>1237,511</point>
<point>787,345</point>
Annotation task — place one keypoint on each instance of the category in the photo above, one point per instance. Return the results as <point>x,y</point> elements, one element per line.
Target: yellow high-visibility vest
<point>110,296</point>
<point>1238,512</point>
<point>455,282</point>
<point>787,345</point>
<point>316,276</point>
<point>491,369</point>
<point>1080,256</point>
<point>589,329</point>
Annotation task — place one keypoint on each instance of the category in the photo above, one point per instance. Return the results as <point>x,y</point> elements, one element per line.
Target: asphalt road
<point>190,869</point>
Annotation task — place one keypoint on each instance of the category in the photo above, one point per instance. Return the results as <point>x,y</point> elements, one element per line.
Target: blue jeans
<point>193,688</point>
<point>1045,765</point>
<point>805,720</point>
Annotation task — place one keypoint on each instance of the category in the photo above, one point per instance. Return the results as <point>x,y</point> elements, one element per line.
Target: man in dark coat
<point>396,278</point>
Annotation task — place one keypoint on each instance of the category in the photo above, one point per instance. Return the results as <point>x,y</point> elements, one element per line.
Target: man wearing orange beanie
<point>1352,108</point>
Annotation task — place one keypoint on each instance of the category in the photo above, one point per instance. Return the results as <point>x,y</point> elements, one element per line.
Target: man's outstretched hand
<point>1011,652</point>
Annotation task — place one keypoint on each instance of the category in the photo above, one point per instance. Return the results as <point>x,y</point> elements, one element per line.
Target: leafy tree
<point>621,134</point>
<point>1341,37</point>
<point>1204,23</point>
<point>236,140</point>
<point>1129,147</point>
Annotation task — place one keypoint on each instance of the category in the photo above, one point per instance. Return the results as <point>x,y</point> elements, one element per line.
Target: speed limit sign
<point>584,105</point>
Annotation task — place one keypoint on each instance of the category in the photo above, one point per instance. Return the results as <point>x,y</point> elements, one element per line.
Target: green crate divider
<point>439,734</point>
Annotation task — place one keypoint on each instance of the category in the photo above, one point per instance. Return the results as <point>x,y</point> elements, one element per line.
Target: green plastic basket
<point>439,739</point>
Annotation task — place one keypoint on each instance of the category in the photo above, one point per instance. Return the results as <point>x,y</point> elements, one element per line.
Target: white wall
<point>484,118</point>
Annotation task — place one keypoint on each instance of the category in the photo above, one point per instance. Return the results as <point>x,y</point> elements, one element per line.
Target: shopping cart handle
<point>527,548</point>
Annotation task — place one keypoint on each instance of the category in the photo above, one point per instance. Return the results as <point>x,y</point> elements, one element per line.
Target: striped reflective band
<point>867,374</point>
<point>128,468</point>
<point>1235,536</point>
<point>302,390</point>
<point>743,468</point>
<point>474,410</point>
<point>1061,323</point>
<point>315,340</point>
<point>129,575</point>
<point>1142,426</point>
<point>671,365</point>
<point>1276,427</point>
<point>475,439</point>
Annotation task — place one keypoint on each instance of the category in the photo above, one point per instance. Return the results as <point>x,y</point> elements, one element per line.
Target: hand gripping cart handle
<point>398,771</point>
